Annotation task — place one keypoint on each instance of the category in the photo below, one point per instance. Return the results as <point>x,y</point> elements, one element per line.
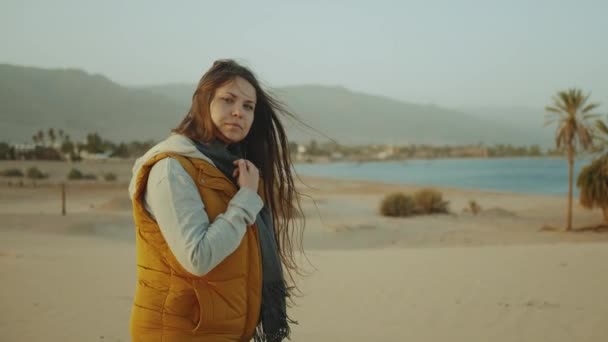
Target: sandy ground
<point>491,277</point>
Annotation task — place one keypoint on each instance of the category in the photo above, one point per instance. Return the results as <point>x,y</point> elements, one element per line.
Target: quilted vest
<point>172,304</point>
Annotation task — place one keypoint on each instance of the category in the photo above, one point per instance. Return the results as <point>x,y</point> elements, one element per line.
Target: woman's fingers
<point>243,167</point>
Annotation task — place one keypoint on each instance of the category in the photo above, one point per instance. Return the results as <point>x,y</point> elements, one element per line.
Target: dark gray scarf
<point>274,323</point>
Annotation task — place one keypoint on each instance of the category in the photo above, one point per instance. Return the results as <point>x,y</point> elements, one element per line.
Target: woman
<point>214,207</point>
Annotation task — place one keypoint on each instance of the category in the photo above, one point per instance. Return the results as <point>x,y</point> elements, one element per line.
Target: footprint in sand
<point>534,303</point>
<point>541,304</point>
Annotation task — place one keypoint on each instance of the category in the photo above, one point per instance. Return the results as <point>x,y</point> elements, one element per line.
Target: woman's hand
<point>248,176</point>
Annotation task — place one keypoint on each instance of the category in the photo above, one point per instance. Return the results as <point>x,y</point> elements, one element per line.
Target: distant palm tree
<point>52,136</point>
<point>571,112</point>
<point>41,137</point>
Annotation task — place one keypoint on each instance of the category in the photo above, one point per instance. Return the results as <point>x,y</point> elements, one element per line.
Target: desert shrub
<point>75,174</point>
<point>89,176</point>
<point>109,177</point>
<point>35,173</point>
<point>474,207</point>
<point>12,173</point>
<point>430,201</point>
<point>397,204</point>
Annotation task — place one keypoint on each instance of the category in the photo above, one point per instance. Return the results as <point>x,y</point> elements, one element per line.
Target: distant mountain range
<point>79,103</point>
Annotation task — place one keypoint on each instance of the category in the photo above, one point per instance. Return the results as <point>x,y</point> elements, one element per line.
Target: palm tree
<point>601,135</point>
<point>41,137</point>
<point>593,185</point>
<point>52,137</point>
<point>571,112</point>
<point>67,146</point>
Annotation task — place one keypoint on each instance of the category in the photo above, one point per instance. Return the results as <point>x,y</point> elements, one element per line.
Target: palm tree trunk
<point>570,179</point>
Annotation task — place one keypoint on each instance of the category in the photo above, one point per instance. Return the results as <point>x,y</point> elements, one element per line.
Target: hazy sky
<point>450,52</point>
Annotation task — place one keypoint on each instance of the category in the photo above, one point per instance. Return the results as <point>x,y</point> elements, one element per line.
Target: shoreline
<point>57,170</point>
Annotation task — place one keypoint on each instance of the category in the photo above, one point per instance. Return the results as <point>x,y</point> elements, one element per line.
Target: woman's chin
<point>231,137</point>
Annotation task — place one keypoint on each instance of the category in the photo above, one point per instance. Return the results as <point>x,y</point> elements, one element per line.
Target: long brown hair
<point>266,146</point>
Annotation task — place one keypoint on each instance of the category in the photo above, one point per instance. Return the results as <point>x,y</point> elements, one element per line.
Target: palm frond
<point>589,116</point>
<point>550,121</point>
<point>601,126</point>
<point>556,116</point>
<point>580,99</point>
<point>566,100</point>
<point>554,109</point>
<point>558,102</point>
<point>590,107</point>
<point>584,136</point>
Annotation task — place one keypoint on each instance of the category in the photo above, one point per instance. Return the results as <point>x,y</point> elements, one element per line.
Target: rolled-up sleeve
<point>173,200</point>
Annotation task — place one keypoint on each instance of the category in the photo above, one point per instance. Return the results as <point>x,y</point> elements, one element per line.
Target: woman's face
<point>232,108</point>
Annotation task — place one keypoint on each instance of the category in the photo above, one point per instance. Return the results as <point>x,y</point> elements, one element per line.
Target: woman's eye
<point>249,107</point>
<point>228,99</point>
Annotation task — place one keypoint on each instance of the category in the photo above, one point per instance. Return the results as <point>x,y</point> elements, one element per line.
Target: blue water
<point>524,175</point>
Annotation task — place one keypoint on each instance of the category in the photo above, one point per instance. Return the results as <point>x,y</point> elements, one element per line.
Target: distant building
<point>388,152</point>
<point>94,156</point>
<point>336,156</point>
<point>23,147</point>
<point>471,152</point>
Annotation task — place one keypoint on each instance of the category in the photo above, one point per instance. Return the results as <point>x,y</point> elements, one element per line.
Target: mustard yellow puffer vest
<point>172,304</point>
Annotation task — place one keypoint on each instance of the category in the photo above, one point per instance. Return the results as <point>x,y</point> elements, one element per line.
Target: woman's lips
<point>233,125</point>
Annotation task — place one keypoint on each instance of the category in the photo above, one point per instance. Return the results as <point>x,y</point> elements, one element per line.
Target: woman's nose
<point>236,112</point>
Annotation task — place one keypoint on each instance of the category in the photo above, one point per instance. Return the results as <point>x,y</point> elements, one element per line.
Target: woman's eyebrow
<point>234,95</point>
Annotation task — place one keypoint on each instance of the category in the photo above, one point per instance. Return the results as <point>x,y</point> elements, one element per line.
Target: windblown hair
<point>266,146</point>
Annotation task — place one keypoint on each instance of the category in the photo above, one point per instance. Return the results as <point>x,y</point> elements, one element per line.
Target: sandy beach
<point>496,276</point>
